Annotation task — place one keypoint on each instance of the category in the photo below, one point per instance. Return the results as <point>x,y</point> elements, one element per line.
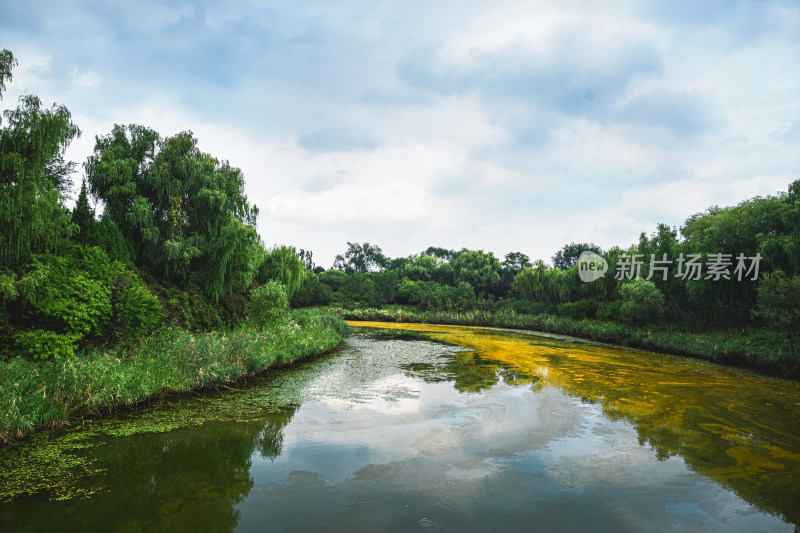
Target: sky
<point>501,126</point>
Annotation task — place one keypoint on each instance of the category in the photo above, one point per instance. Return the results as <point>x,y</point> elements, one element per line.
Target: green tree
<point>769,226</point>
<point>540,284</point>
<point>283,264</point>
<point>181,211</point>
<point>514,262</point>
<point>308,292</point>
<point>642,302</point>
<point>83,218</point>
<point>307,257</point>
<point>33,175</point>
<point>442,253</point>
<point>7,63</point>
<point>360,258</point>
<point>780,244</point>
<point>528,281</point>
<point>409,292</point>
<point>464,297</point>
<point>335,279</point>
<point>268,304</point>
<point>568,255</point>
<point>420,267</point>
<point>779,304</point>
<point>477,268</point>
<point>383,288</point>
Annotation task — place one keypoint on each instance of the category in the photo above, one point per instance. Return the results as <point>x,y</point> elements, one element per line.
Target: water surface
<point>461,429</point>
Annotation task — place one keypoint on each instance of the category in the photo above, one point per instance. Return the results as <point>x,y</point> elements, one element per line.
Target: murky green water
<point>460,430</point>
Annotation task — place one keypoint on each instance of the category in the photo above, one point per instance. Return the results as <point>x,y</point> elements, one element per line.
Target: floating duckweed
<point>43,463</point>
<point>48,460</point>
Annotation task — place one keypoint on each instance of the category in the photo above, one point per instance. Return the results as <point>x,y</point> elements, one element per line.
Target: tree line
<point>763,233</point>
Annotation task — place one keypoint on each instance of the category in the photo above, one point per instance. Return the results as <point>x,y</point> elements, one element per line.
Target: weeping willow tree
<point>33,174</point>
<point>183,212</point>
<point>7,62</point>
<point>283,264</point>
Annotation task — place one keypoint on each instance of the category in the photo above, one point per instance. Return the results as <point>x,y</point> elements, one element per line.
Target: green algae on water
<point>60,462</point>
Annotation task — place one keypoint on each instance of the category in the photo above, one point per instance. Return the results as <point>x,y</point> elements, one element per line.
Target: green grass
<point>759,349</point>
<point>36,393</point>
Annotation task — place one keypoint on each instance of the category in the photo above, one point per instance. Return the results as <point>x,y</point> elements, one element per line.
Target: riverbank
<point>759,350</point>
<point>48,393</point>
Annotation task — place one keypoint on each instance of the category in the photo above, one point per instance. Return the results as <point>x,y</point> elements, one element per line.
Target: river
<point>414,427</point>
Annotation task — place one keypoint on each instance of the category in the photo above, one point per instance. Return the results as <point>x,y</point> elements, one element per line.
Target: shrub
<point>526,307</point>
<point>77,297</point>
<point>43,344</point>
<point>464,296</point>
<point>268,304</point>
<point>409,292</point>
<point>778,297</point>
<point>642,302</point>
<point>191,310</point>
<point>136,310</point>
<point>609,310</point>
<point>579,309</point>
<point>306,294</point>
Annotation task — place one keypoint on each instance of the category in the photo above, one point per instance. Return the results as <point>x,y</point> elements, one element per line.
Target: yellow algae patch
<point>777,451</point>
<point>741,429</point>
<point>749,460</point>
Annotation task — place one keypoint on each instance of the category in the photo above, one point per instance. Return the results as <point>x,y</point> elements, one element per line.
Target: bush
<point>779,305</point>
<point>306,294</point>
<point>136,310</point>
<point>527,308</point>
<point>268,304</point>
<point>579,309</point>
<point>110,238</point>
<point>335,279</point>
<point>409,292</point>
<point>642,302</point>
<point>191,310</point>
<point>464,296</point>
<point>43,344</point>
<point>78,297</point>
<point>609,310</point>
<point>170,360</point>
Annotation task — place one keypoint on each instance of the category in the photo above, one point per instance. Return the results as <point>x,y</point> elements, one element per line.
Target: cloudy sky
<point>502,126</point>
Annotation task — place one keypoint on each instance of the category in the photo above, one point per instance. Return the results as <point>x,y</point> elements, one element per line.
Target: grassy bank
<point>761,350</point>
<point>36,393</point>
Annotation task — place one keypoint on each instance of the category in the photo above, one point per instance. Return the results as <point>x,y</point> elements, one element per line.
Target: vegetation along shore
<point>170,289</point>
<point>754,350</point>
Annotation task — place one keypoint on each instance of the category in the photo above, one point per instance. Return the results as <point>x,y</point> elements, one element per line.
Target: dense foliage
<point>183,213</point>
<point>33,175</point>
<point>360,258</point>
<point>63,301</point>
<point>779,304</point>
<point>176,243</point>
<point>268,304</point>
<point>568,256</point>
<point>285,266</point>
<point>172,360</point>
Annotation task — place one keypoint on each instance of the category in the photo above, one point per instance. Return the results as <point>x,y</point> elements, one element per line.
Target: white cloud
<point>85,80</point>
<point>393,201</point>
